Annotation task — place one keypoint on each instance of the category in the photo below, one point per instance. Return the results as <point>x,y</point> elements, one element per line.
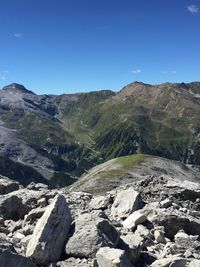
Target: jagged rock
<point>17,237</point>
<point>111,257</point>
<point>132,245</point>
<point>100,202</point>
<point>173,221</point>
<point>50,233</point>
<point>126,202</point>
<point>134,219</point>
<point>159,236</point>
<point>42,202</point>
<point>194,263</point>
<point>11,207</point>
<point>166,203</point>
<point>28,229</point>
<point>34,214</point>
<point>166,262</point>
<point>41,186</point>
<point>9,257</point>
<point>91,232</point>
<point>7,185</point>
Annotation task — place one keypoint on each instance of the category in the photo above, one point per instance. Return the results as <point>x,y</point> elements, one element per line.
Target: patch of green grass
<point>123,165</point>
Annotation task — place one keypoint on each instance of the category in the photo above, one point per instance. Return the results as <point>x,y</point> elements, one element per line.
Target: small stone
<point>166,203</point>
<point>159,237</point>
<point>42,202</point>
<point>134,219</point>
<point>110,257</point>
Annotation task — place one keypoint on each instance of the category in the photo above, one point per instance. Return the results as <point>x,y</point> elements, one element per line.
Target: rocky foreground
<point>154,222</point>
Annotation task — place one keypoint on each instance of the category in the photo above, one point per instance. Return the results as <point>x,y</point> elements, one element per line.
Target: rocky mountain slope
<point>154,222</point>
<point>120,171</point>
<point>57,138</point>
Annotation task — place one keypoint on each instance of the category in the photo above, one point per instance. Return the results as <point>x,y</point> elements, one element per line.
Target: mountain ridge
<point>74,132</point>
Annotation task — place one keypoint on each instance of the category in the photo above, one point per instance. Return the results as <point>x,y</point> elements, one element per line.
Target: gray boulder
<point>9,257</point>
<point>7,185</point>
<point>111,257</point>
<point>126,202</point>
<point>91,232</point>
<point>11,207</point>
<point>50,233</point>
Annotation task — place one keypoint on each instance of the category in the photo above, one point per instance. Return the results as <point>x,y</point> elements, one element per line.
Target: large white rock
<point>111,257</point>
<point>134,219</point>
<point>126,202</point>
<point>50,233</point>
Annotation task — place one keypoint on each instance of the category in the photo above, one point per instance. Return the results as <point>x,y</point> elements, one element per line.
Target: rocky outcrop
<point>50,233</point>
<point>92,231</point>
<point>157,225</point>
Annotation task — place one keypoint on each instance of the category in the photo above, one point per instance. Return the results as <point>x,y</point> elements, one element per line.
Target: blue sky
<point>65,46</point>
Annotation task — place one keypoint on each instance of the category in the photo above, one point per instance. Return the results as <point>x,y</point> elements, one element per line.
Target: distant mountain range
<point>57,138</point>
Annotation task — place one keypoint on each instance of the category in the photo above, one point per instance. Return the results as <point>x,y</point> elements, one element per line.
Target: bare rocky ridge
<point>154,222</point>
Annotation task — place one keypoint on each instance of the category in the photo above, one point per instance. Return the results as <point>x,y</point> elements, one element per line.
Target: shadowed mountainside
<point>60,137</point>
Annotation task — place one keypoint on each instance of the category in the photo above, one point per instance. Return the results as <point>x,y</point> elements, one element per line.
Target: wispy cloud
<point>193,9</point>
<point>6,71</point>
<point>173,72</point>
<point>136,71</point>
<point>3,78</point>
<point>169,72</point>
<point>18,35</point>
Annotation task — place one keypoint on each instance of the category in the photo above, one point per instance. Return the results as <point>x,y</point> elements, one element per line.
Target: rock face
<point>110,257</point>
<point>125,203</point>
<point>50,233</point>
<point>92,231</point>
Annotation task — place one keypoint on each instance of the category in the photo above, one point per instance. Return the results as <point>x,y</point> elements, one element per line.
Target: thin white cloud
<point>193,9</point>
<point>3,78</point>
<point>18,35</point>
<point>169,72</point>
<point>6,71</point>
<point>136,71</point>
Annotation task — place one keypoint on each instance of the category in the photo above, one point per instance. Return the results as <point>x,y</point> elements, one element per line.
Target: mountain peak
<point>15,87</point>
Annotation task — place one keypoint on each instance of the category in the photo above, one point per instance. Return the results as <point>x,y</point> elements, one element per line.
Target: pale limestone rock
<point>159,237</point>
<point>100,202</point>
<point>126,202</point>
<point>134,219</point>
<point>50,233</point>
<point>111,257</point>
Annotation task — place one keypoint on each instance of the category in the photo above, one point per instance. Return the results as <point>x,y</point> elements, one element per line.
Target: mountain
<point>59,137</point>
<point>133,168</point>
